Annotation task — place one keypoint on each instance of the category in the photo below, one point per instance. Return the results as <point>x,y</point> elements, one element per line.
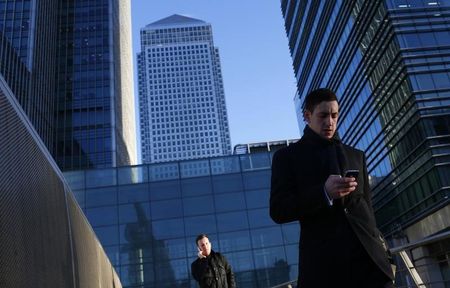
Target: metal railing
<point>425,270</point>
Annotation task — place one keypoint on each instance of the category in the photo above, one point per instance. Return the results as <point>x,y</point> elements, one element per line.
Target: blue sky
<point>256,65</point>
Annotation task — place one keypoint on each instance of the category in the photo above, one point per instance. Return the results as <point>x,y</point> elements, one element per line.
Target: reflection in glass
<point>198,205</point>
<point>101,177</point>
<point>133,174</point>
<point>234,241</point>
<point>196,186</point>
<point>256,180</point>
<point>133,193</point>
<point>232,221</point>
<point>164,190</point>
<point>229,202</point>
<point>200,224</point>
<point>227,183</point>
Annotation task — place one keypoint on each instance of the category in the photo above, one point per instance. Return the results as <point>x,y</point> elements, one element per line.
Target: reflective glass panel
<point>102,216</point>
<point>133,193</point>
<point>108,235</point>
<point>200,224</point>
<point>227,183</point>
<point>198,205</point>
<point>137,212</point>
<point>101,196</point>
<point>257,198</point>
<point>164,190</point>
<point>229,202</point>
<point>234,241</point>
<point>165,229</point>
<point>267,237</point>
<point>166,209</point>
<point>256,180</point>
<point>196,186</point>
<point>232,221</point>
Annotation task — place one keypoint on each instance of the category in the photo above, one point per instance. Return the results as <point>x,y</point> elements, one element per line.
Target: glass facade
<point>94,84</point>
<point>147,218</point>
<point>69,63</point>
<point>181,96</point>
<point>28,41</point>
<point>388,63</point>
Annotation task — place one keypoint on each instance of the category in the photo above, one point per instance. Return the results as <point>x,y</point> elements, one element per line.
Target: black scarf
<point>334,158</point>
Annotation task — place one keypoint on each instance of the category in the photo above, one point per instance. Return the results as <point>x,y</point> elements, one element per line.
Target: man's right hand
<point>338,187</point>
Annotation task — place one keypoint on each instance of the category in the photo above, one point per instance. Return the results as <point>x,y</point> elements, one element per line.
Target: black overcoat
<point>299,172</point>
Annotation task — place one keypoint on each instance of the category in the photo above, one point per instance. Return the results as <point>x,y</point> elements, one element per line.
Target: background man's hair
<point>200,237</point>
<point>316,96</point>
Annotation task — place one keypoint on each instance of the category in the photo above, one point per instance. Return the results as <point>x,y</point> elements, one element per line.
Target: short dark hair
<point>200,237</point>
<point>317,96</point>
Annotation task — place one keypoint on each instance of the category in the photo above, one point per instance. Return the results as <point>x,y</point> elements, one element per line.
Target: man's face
<point>204,246</point>
<point>323,120</point>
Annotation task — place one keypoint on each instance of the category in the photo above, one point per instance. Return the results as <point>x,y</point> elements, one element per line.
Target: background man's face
<point>204,246</point>
<point>323,120</point>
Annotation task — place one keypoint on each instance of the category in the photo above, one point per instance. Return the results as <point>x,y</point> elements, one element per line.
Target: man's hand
<point>338,187</point>
<point>200,254</point>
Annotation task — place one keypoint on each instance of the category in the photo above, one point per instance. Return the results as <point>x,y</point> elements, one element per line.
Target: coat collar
<point>312,137</point>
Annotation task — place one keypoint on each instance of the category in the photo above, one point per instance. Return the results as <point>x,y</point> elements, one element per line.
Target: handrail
<point>401,251</point>
<point>285,284</point>
<point>425,241</point>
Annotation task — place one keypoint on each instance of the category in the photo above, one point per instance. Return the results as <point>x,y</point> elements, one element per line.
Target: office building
<point>388,62</point>
<point>69,64</point>
<point>95,109</point>
<point>181,96</point>
<point>28,43</point>
<point>148,216</point>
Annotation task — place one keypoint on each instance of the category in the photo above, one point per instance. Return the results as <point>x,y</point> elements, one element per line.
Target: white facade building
<point>181,97</point>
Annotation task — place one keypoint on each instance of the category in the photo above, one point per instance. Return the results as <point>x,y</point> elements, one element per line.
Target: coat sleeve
<point>230,276</point>
<point>367,192</point>
<point>293,199</point>
<point>194,271</point>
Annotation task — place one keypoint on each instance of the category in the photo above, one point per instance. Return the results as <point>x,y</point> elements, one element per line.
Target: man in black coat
<point>211,269</point>
<point>340,245</point>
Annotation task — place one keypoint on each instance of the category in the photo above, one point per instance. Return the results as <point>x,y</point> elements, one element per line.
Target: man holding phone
<point>211,269</point>
<point>324,185</point>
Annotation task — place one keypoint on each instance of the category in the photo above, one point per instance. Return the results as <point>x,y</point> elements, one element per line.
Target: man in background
<point>211,269</point>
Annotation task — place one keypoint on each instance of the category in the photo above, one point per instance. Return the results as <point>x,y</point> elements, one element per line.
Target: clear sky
<point>257,68</point>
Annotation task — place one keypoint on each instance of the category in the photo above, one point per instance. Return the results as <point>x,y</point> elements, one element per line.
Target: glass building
<point>147,218</point>
<point>181,96</point>
<point>28,43</point>
<point>69,63</point>
<point>95,108</point>
<point>389,63</point>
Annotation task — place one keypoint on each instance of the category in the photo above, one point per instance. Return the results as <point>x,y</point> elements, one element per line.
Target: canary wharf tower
<point>181,96</point>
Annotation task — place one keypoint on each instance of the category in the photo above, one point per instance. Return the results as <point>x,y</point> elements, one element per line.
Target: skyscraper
<point>388,63</point>
<point>96,115</point>
<point>181,96</point>
<point>69,65</point>
<point>28,43</point>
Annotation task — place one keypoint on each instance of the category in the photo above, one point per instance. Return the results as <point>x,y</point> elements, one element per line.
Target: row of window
<point>167,77</point>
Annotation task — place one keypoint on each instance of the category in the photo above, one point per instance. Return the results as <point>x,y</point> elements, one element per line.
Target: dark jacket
<point>331,236</point>
<point>213,272</point>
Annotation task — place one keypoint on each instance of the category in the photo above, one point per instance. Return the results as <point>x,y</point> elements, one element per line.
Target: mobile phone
<point>352,173</point>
